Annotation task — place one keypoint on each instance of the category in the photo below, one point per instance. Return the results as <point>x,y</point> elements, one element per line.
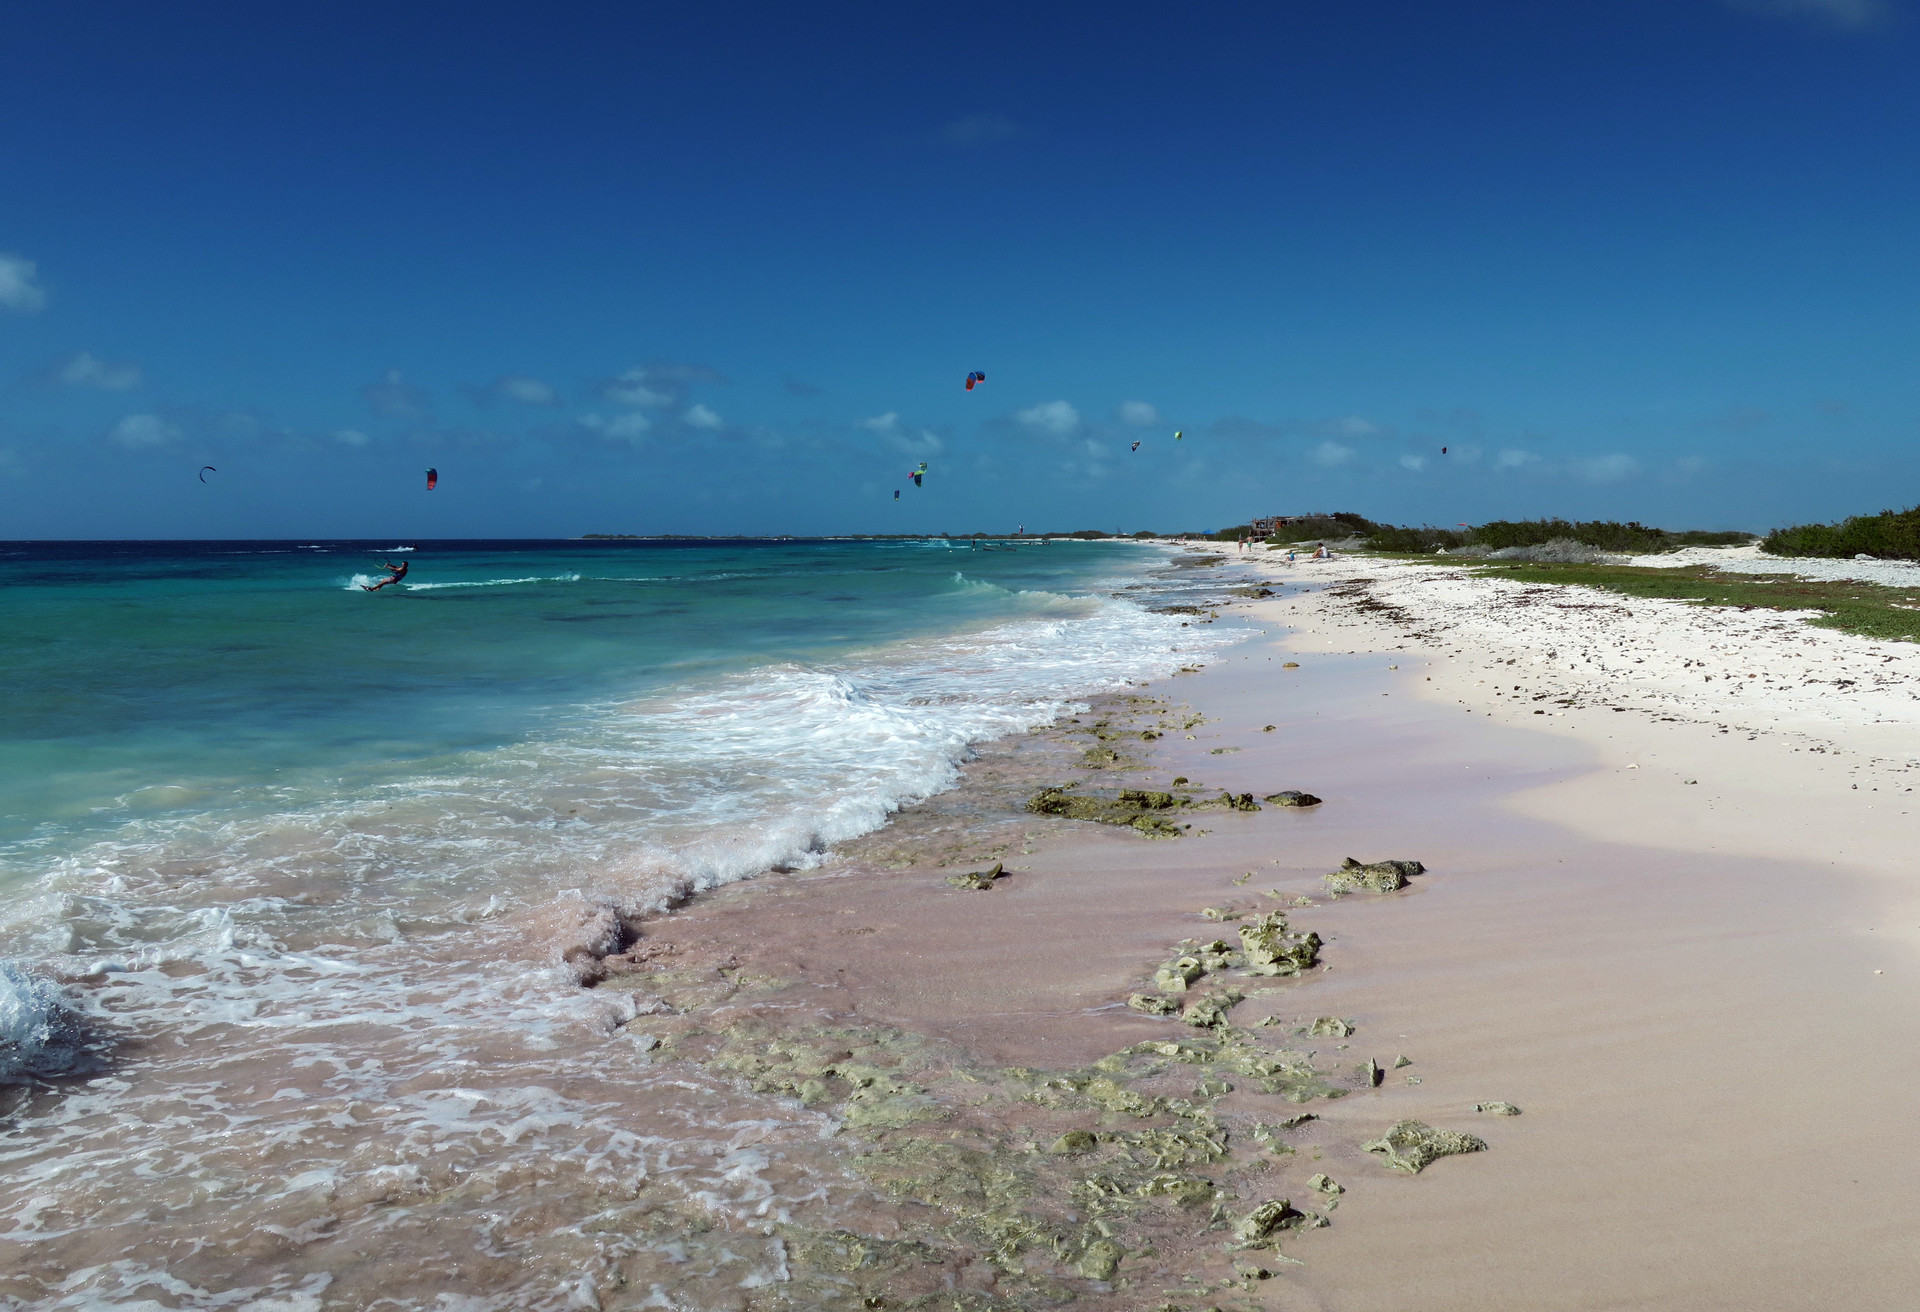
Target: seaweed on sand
<point>1131,807</point>
<point>977,879</point>
<point>1272,947</point>
<point>1412,1146</point>
<point>1376,877</point>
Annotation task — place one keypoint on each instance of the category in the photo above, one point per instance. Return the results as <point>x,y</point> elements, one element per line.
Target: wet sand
<point>1675,982</point>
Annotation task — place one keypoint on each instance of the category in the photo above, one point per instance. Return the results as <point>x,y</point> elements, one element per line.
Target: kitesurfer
<point>394,574</point>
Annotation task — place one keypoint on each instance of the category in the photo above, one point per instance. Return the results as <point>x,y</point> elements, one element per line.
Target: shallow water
<point>318,868</point>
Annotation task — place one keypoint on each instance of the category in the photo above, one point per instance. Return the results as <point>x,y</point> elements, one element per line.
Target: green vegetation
<point>1415,541</point>
<point>1308,528</point>
<point>1603,534</point>
<point>1890,614</point>
<point>1891,534</point>
<point>1608,535</point>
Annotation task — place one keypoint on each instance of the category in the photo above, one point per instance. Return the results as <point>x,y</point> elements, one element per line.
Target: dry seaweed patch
<point>1149,811</point>
<point>1374,877</point>
<point>1412,1146</point>
<point>978,880</point>
<point>1140,1179</point>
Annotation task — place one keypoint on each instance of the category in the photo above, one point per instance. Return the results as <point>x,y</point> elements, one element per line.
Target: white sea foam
<point>363,580</point>
<point>39,1034</point>
<point>493,583</point>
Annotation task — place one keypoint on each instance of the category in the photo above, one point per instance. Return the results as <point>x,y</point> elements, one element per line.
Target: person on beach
<point>394,574</point>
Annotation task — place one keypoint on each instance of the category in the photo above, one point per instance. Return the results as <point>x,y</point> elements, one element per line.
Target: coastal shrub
<point>1559,551</point>
<point>1609,535</point>
<point>1426,538</point>
<point>1891,535</point>
<point>1324,528</point>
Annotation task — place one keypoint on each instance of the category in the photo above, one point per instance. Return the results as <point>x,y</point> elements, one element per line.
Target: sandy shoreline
<point>1675,981</point>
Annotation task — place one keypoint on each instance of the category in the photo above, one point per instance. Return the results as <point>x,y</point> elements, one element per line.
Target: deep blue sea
<point>282,861</point>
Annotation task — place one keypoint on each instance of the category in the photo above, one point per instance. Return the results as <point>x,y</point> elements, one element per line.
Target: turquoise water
<point>292,878</point>
<point>148,679</point>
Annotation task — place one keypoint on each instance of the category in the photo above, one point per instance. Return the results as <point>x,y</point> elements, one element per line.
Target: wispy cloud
<point>978,129</point>
<point>698,416</point>
<point>514,387</point>
<point>1848,15</point>
<point>1607,469</point>
<point>137,432</point>
<point>350,437</point>
<point>1332,454</point>
<point>88,370</point>
<point>1515,458</point>
<point>1355,426</point>
<point>395,398</point>
<point>1415,463</point>
<point>657,385</point>
<point>1056,417</point>
<point>1137,414</point>
<point>920,443</point>
<point>18,290</point>
<point>621,428</point>
<point>637,387</point>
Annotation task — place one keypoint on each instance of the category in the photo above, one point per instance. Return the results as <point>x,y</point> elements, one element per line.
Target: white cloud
<point>88,370</point>
<point>632,388</point>
<point>698,416</point>
<point>349,437</point>
<point>527,391</point>
<point>978,129</point>
<point>1331,454</point>
<point>1608,469</point>
<point>1137,414</point>
<point>1852,15</point>
<point>18,291</point>
<point>393,397</point>
<point>138,431</point>
<point>625,428</point>
<point>1355,426</point>
<point>1415,463</point>
<point>886,423</point>
<point>1055,417</point>
<point>1514,458</point>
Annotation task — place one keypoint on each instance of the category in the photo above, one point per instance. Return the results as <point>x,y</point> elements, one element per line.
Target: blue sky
<point>723,268</point>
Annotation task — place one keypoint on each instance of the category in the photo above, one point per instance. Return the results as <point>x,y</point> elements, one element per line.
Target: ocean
<point>294,880</point>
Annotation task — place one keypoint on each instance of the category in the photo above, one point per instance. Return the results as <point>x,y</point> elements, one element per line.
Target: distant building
<point>1271,525</point>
